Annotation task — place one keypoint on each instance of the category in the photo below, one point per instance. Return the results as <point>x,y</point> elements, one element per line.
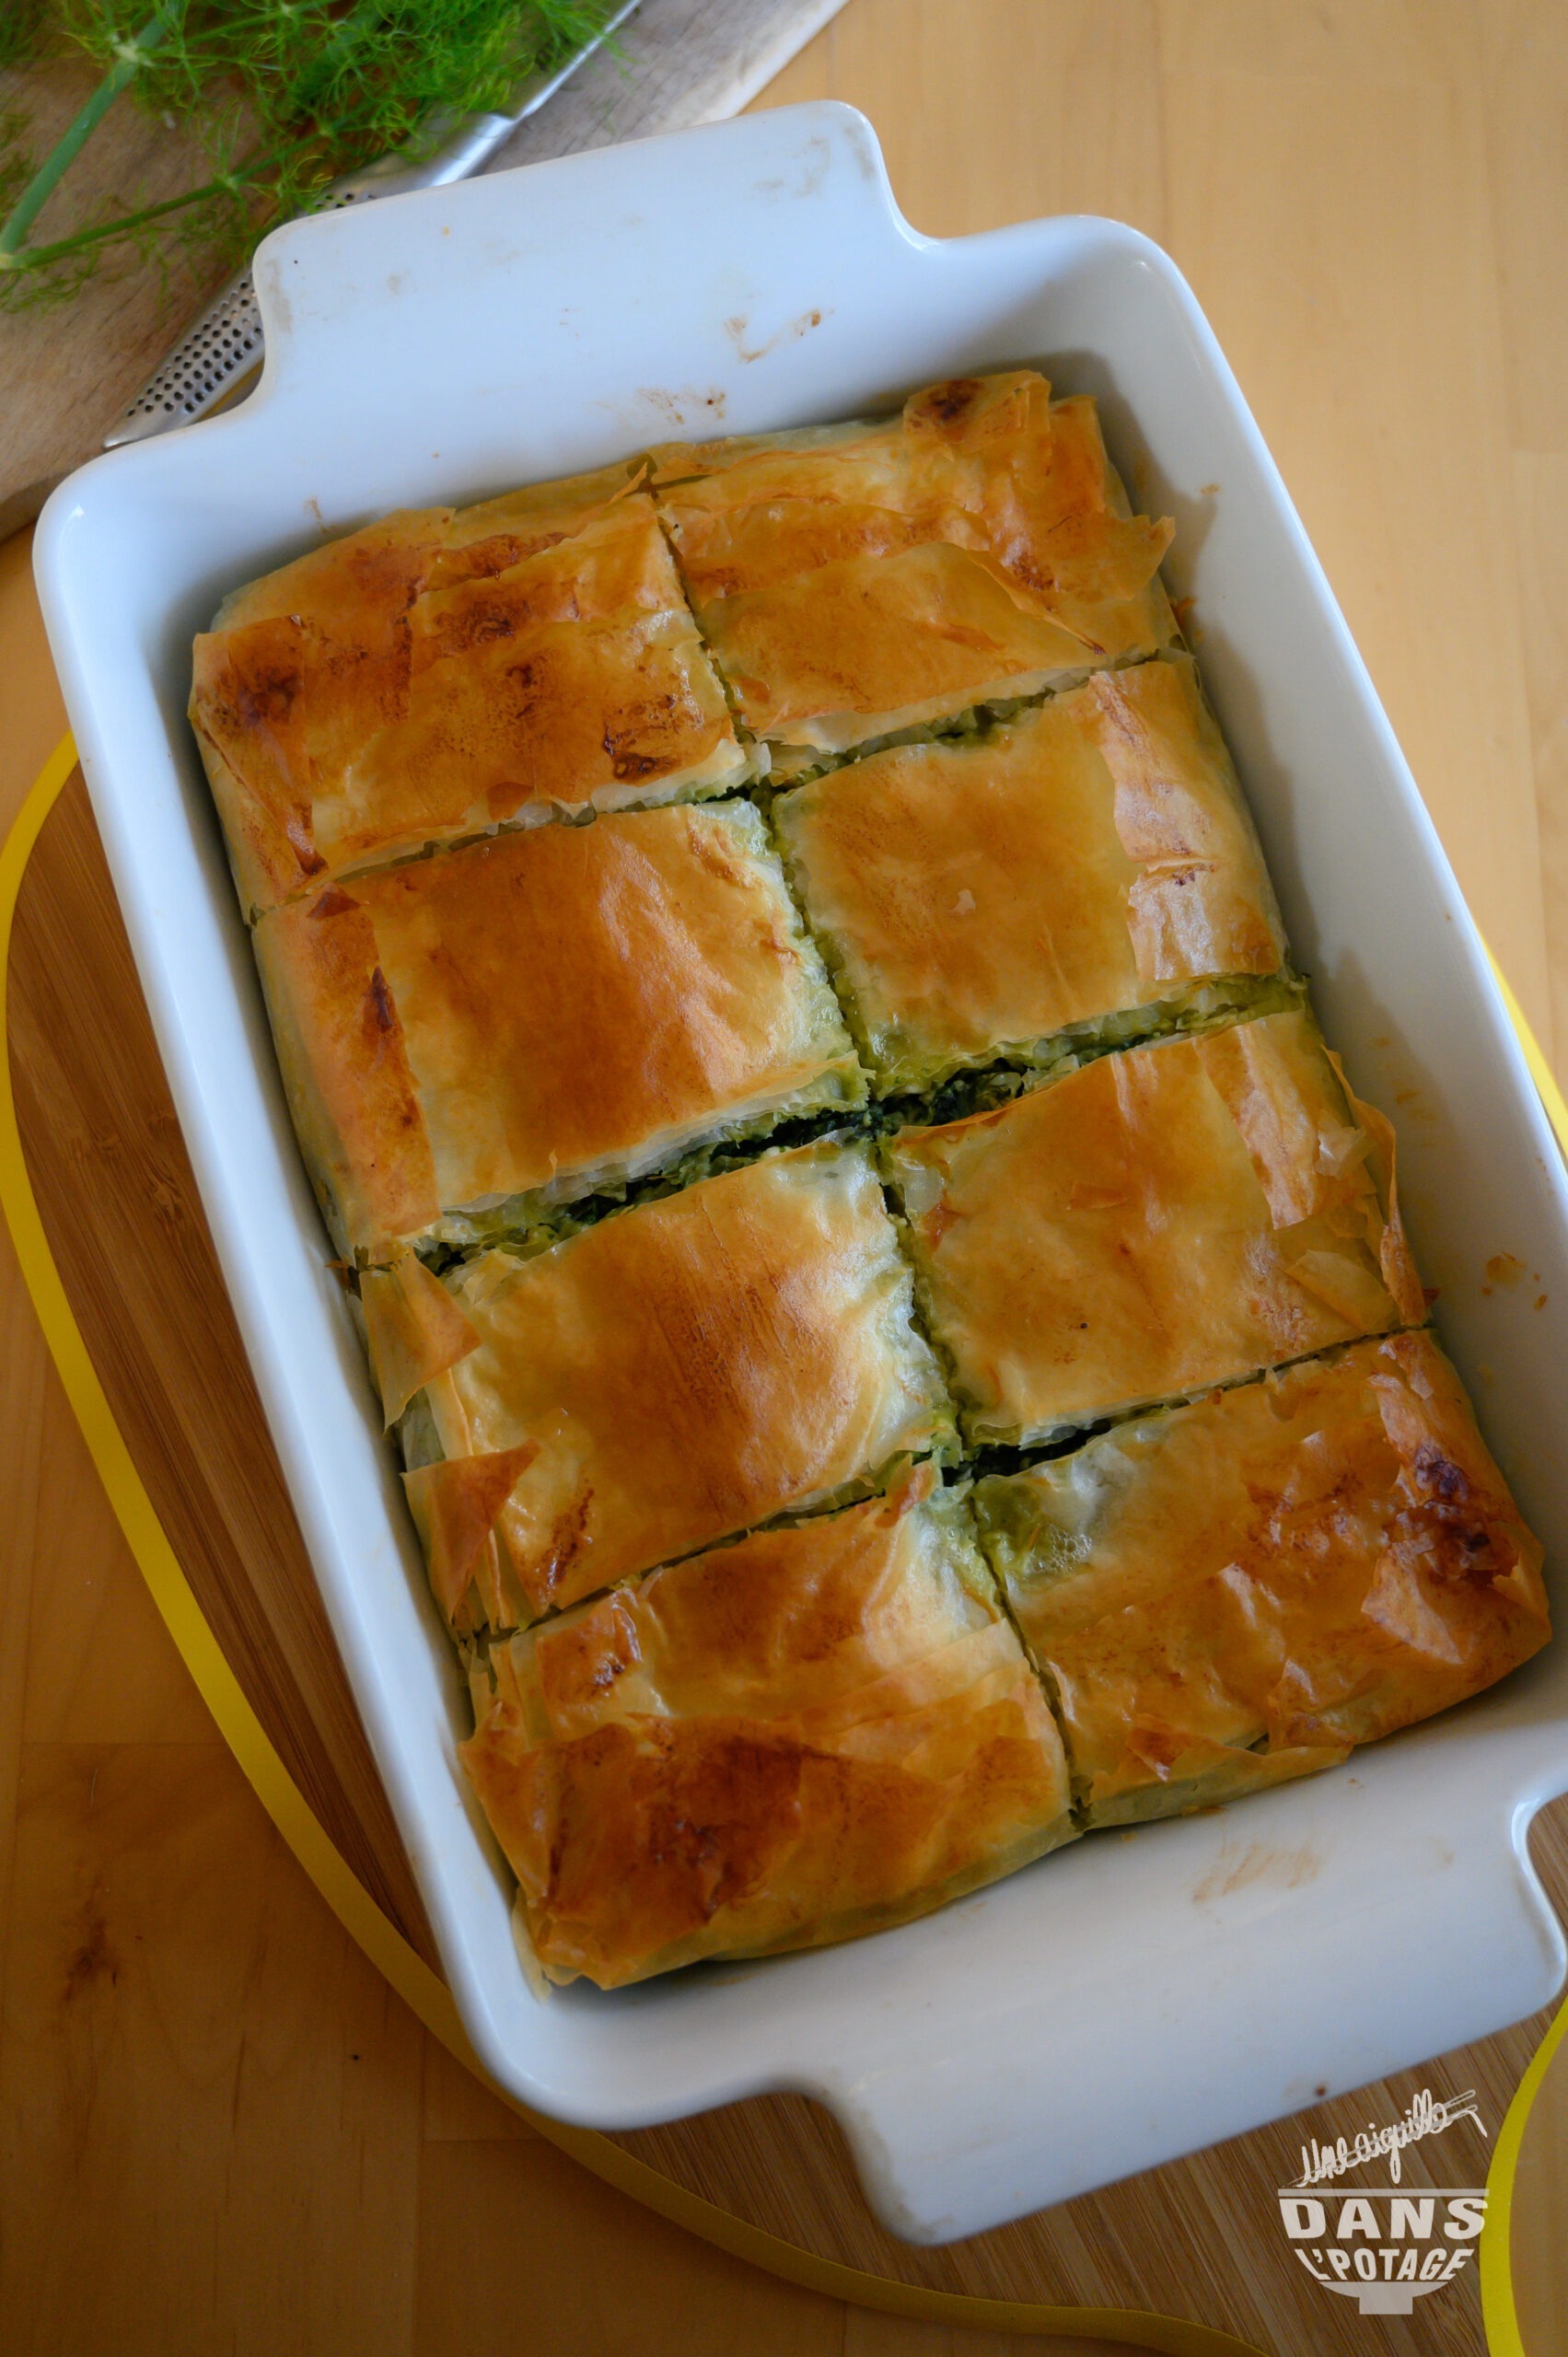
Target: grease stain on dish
<point>736,329</point>
<point>1261,1862</point>
<point>815,160</point>
<point>686,404</point>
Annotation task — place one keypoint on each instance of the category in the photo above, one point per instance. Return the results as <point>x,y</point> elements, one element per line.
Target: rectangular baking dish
<point>1135,1997</point>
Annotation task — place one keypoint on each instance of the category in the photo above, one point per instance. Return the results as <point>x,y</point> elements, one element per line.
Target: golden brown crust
<point>573,677</point>
<point>456,1503</point>
<point>534,1012</point>
<point>352,592</point>
<point>866,578</point>
<point>298,670</point>
<point>822,1727</point>
<point>819,1730</point>
<point>413,1329</point>
<point>1297,1565</point>
<point>434,677</point>
<point>859,649</point>
<point>1088,858</point>
<point>344,1060</point>
<point>1200,902</point>
<point>1174,1216</point>
<point>499,533</point>
<point>1395,1257</point>
<point>690,1368</point>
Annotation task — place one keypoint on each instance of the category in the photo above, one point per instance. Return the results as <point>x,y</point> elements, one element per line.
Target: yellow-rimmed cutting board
<point>1200,2239</point>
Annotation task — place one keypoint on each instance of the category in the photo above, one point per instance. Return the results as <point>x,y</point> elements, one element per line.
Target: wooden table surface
<point>248,2144</point>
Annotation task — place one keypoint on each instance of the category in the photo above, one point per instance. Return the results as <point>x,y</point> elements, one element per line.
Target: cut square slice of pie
<point>1157,1221</point>
<point>440,675</point>
<point>815,1733</point>
<point>677,1373</point>
<point>858,581</point>
<point>470,1037</point>
<point>1235,1592</point>
<point>1081,872</point>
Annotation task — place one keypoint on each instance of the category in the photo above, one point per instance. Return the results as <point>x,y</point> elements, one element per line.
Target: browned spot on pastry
<point>379,1003</point>
<point>1448,1527</point>
<point>713,1812</point>
<point>297,827</point>
<point>1448,1550</point>
<point>626,765</point>
<point>267,698</point>
<point>949,404</point>
<point>1158,1747</point>
<point>479,624</point>
<point>933,1226</point>
<point>607,1670</point>
<point>568,1539</point>
<point>1439,1474</point>
<point>523,683</point>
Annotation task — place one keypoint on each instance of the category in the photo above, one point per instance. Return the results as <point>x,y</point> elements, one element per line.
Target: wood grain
<point>260,2012</point>
<point>67,375</point>
<point>112,1176</point>
<point>1197,2238</point>
<point>1193,2239</point>
<point>120,2149</point>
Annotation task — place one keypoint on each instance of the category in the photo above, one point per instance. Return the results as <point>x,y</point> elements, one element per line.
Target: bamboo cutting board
<point>1198,2240</point>
<point>67,375</point>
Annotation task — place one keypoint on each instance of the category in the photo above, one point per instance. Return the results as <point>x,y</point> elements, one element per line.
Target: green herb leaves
<point>284,96</point>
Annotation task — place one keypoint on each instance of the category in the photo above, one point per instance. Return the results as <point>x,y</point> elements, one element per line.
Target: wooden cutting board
<point>1199,2239</point>
<point>67,374</point>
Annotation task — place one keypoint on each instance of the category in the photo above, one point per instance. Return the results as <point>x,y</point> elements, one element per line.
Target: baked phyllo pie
<point>1157,1221</point>
<point>855,581</point>
<point>817,1732</point>
<point>1237,1591</point>
<point>440,675</point>
<point>1087,869</point>
<point>678,1371</point>
<point>466,1038</point>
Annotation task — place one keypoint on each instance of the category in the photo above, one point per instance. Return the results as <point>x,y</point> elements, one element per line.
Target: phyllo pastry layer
<point>1089,859</point>
<point>856,580</point>
<point>1155,1222</point>
<point>679,1371</point>
<point>1237,1591</point>
<point>817,1732</point>
<point>466,1038</point>
<point>441,674</point>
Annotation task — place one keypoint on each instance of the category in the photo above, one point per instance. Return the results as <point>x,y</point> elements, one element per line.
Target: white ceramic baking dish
<point>1137,1996</point>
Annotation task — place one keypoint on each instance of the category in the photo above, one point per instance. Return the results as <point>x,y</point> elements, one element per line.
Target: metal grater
<point>224,346</point>
<point>216,354</point>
